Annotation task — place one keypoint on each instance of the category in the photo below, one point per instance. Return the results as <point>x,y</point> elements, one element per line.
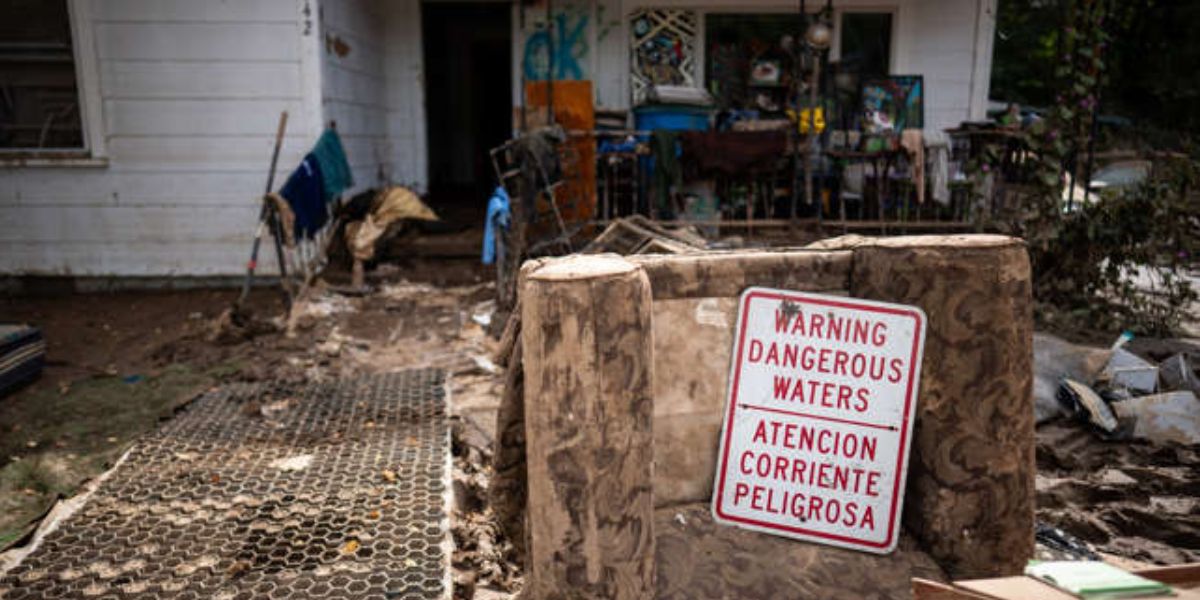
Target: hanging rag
<point>733,152</point>
<point>304,191</point>
<point>335,169</point>
<point>390,206</point>
<point>937,144</point>
<point>913,143</point>
<point>287,218</point>
<point>664,145</point>
<point>498,217</point>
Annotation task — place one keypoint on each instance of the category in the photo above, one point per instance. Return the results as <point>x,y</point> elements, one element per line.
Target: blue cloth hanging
<point>498,217</point>
<point>304,191</point>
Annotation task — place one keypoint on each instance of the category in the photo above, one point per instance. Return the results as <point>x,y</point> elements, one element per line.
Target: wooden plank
<point>925,589</point>
<point>1185,576</point>
<point>1014,588</point>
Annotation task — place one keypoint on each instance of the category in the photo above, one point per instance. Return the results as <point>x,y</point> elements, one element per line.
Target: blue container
<point>671,117</point>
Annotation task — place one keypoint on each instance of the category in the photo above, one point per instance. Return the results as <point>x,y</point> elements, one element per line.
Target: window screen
<point>39,102</point>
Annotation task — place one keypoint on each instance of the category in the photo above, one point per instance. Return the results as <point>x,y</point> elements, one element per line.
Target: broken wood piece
<point>508,339</point>
<point>588,355</point>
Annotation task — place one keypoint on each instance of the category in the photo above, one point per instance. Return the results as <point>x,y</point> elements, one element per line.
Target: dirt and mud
<point>120,362</point>
<point>1134,500</point>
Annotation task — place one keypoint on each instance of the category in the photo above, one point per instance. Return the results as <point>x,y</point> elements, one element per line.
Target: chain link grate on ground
<point>327,490</point>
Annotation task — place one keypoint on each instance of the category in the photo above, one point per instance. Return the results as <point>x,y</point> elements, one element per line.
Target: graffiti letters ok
<point>568,49</point>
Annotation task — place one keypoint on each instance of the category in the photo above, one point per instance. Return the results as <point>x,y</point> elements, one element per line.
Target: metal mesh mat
<point>330,490</point>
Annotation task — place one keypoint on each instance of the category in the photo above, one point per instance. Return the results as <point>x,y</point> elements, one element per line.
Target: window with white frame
<point>40,100</point>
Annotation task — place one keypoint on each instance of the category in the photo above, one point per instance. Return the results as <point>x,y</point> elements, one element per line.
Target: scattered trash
<point>639,235</point>
<point>1167,417</point>
<point>133,379</point>
<point>1054,359</point>
<point>388,475</point>
<point>482,313</point>
<point>1176,373</point>
<point>1062,543</point>
<point>293,463</point>
<point>485,364</point>
<point>1128,370</point>
<point>350,547</point>
<point>273,409</point>
<point>1082,401</point>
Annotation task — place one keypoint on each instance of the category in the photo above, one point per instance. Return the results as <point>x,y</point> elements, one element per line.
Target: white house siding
<point>353,86</point>
<point>950,43</point>
<point>405,93</point>
<point>191,95</point>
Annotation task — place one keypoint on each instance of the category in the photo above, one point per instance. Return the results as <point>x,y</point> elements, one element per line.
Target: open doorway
<point>468,101</point>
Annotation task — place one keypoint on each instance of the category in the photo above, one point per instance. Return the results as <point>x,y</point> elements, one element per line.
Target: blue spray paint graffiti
<point>569,48</point>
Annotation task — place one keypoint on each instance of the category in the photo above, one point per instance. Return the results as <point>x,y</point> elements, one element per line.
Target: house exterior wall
<point>354,87</point>
<point>189,98</point>
<point>182,99</point>
<point>947,41</point>
<point>404,93</point>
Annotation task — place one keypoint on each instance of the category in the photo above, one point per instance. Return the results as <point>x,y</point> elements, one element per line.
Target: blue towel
<point>497,217</point>
<point>304,191</point>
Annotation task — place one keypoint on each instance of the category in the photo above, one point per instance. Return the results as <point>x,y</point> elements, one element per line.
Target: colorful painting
<point>663,44</point>
<point>893,104</point>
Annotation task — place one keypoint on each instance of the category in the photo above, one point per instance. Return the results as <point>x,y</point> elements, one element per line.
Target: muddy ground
<point>120,362</point>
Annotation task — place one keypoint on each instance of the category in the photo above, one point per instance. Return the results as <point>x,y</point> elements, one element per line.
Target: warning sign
<point>819,418</point>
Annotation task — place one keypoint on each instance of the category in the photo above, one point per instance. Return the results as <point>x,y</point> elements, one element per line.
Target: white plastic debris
<point>1176,374</point>
<point>1090,404</point>
<point>1128,370</point>
<point>1055,358</point>
<point>1169,417</point>
<point>299,462</point>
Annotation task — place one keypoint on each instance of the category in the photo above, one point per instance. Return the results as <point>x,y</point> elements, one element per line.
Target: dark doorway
<point>468,101</point>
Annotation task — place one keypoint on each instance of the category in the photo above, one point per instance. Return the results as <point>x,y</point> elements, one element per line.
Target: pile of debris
<point>1119,394</point>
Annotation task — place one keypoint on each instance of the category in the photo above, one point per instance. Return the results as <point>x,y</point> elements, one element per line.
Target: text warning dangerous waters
<point>819,418</point>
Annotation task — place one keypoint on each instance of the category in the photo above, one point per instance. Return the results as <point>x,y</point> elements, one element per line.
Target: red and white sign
<point>819,418</point>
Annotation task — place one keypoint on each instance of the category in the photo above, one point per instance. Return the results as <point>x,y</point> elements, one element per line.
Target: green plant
<point>1120,262</point>
<point>1109,262</point>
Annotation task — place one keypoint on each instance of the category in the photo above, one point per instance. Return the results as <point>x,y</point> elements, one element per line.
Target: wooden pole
<point>588,356</point>
<point>970,494</point>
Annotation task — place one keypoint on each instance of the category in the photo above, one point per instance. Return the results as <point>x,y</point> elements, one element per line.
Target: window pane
<point>866,43</point>
<point>39,102</point>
